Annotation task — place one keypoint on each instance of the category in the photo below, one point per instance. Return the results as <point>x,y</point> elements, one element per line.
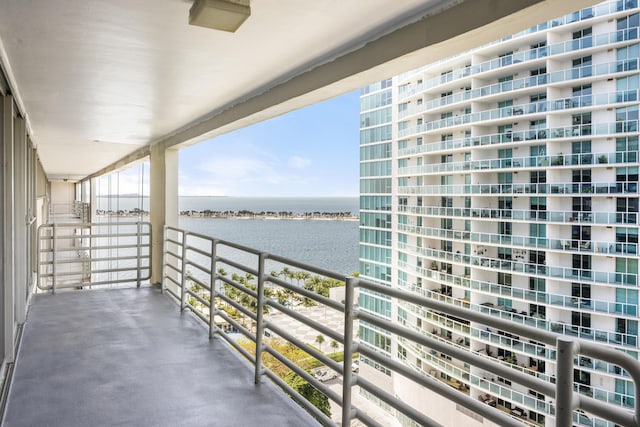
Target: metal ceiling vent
<point>224,15</point>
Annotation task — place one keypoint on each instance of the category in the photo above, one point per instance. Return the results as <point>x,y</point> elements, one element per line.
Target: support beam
<point>21,219</point>
<point>163,202</point>
<point>93,199</point>
<point>7,228</point>
<point>428,39</point>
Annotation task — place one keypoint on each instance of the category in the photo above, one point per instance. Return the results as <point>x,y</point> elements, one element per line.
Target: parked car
<point>326,375</point>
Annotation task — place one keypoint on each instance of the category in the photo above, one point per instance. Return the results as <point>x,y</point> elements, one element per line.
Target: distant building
<point>505,180</point>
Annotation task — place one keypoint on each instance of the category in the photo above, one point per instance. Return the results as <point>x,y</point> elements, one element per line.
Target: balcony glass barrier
<point>523,188</point>
<point>521,266</point>
<point>528,162</point>
<point>599,40</point>
<point>599,129</point>
<point>598,218</point>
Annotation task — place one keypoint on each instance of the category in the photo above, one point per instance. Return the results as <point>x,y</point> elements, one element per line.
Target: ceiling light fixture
<point>224,15</point>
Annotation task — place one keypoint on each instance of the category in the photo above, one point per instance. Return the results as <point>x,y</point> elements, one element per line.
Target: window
<point>505,228</point>
<point>626,210</point>
<point>627,149</point>
<point>538,177</point>
<point>581,175</point>
<point>581,204</point>
<point>580,236</point>
<point>506,58</point>
<point>583,38</point>
<point>538,50</point>
<point>538,207</point>
<point>582,262</point>
<point>582,320</point>
<point>581,123</point>
<point>504,279</point>
<point>538,230</point>
<point>627,270</point>
<point>582,153</point>
<point>582,67</point>
<point>537,284</point>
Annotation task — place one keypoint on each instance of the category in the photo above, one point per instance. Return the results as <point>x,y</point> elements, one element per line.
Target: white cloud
<point>297,162</point>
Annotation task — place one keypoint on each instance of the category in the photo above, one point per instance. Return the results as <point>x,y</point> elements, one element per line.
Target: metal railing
<point>83,254</point>
<point>194,273</point>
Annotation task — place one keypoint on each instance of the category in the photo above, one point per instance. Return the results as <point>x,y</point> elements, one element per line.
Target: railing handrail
<point>207,260</point>
<point>82,254</point>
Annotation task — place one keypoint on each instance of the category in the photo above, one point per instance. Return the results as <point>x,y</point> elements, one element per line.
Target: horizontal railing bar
<point>485,319</point>
<point>239,266</point>
<point>301,265</point>
<point>319,415</point>
<point>94,260</point>
<point>197,250</point>
<point>307,349</point>
<point>304,374</point>
<point>198,297</point>
<point>433,385</point>
<point>197,313</point>
<point>240,287</point>
<point>87,284</point>
<point>303,319</point>
<point>250,357</point>
<point>307,293</point>
<point>527,380</point>
<point>176,269</point>
<point>397,404</point>
<point>172,279</point>
<point>199,282</point>
<point>203,269</point>
<point>76,273</point>
<point>238,326</point>
<point>237,306</point>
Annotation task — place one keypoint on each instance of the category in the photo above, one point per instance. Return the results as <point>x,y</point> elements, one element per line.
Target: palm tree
<point>334,345</point>
<point>320,340</point>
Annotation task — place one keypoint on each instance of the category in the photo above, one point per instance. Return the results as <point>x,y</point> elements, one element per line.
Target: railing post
<point>183,281</point>
<point>349,345</point>
<point>139,253</point>
<point>53,258</point>
<point>165,238</point>
<point>564,381</point>
<point>212,293</point>
<point>259,318</point>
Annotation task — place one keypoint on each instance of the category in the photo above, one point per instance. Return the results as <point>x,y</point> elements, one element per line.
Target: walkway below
<point>129,357</point>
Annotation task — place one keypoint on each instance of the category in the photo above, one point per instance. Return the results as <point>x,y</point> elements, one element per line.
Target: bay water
<point>329,244</point>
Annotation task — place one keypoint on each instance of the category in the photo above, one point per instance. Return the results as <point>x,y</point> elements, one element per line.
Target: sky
<point>310,152</point>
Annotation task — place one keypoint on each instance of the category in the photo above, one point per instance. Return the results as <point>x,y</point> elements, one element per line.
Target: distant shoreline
<point>207,214</point>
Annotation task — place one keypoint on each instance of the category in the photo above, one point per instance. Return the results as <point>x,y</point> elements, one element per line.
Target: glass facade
<point>505,180</point>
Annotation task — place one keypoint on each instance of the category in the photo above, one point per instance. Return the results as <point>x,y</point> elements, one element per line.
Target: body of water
<point>331,245</point>
<point>328,244</point>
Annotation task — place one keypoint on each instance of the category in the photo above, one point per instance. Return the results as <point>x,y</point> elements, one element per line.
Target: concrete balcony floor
<point>128,357</point>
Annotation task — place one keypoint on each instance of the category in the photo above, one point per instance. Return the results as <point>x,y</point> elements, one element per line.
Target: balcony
<point>101,344</point>
<point>129,357</point>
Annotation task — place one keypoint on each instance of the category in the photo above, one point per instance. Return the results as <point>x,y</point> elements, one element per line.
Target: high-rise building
<point>505,180</point>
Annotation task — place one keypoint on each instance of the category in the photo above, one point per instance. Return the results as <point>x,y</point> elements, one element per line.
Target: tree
<point>309,392</point>
<point>320,341</point>
<point>334,345</point>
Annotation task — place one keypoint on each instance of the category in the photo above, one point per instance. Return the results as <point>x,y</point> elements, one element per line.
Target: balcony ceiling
<point>99,80</point>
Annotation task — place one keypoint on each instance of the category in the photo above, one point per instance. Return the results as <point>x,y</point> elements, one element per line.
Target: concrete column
<point>163,202</point>
<point>93,199</point>
<point>6,228</point>
<point>21,218</point>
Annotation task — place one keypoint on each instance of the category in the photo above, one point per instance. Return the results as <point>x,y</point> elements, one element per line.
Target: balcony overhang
<point>101,82</point>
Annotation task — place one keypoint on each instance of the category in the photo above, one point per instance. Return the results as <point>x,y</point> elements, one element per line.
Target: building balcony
<point>523,58</point>
<point>129,357</point>
<point>525,215</point>
<point>517,137</point>
<point>556,189</point>
<point>546,162</point>
<point>99,344</point>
